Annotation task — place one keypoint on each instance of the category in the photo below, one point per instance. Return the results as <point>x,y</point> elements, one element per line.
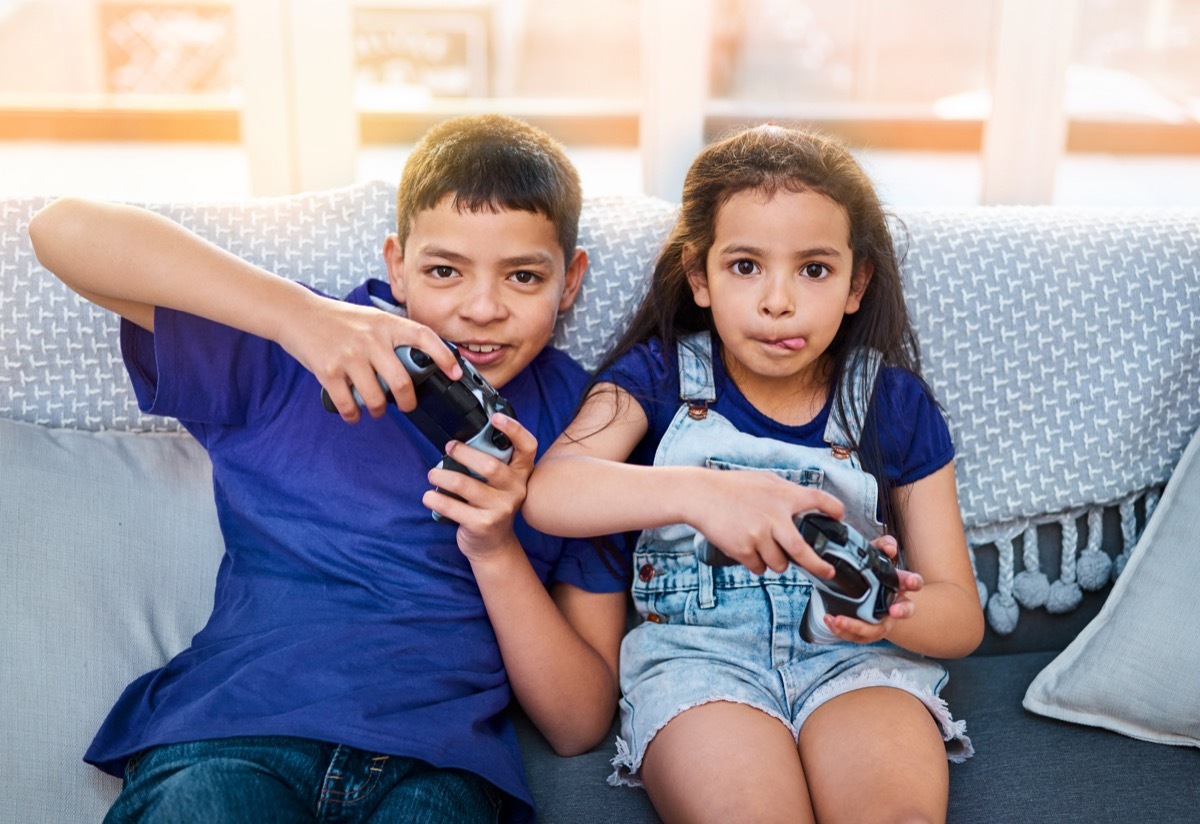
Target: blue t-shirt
<point>343,612</point>
<point>903,419</point>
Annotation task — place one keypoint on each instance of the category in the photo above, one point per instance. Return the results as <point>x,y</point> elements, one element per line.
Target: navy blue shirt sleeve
<point>599,564</point>
<point>913,437</point>
<point>201,372</point>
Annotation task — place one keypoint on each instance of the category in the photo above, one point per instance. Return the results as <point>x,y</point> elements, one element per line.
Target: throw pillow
<point>1135,668</point>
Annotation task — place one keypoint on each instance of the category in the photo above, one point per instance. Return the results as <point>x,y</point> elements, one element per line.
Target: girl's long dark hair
<point>770,159</point>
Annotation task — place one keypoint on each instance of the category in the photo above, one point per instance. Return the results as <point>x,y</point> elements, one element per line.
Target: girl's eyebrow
<point>815,251</point>
<point>819,251</point>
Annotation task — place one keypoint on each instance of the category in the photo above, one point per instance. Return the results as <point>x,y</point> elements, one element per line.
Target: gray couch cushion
<point>110,548</point>
<point>1029,768</point>
<point>1025,768</point>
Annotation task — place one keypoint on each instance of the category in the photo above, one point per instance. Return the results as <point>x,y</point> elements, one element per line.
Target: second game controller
<point>448,409</point>
<point>865,582</point>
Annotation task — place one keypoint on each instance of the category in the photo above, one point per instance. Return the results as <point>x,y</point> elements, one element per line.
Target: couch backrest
<point>1063,344</point>
<point>61,363</point>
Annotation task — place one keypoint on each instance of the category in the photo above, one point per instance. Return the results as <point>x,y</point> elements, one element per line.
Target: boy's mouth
<point>481,354</point>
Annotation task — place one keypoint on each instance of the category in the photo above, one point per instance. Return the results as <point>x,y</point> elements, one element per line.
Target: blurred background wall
<point>947,102</point>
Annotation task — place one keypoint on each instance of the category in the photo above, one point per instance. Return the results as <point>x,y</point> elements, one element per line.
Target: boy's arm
<point>130,260</point>
<point>559,647</point>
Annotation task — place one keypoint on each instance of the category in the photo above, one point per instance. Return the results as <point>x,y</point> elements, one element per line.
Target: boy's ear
<point>858,286</point>
<point>576,268</point>
<point>693,266</point>
<point>393,258</point>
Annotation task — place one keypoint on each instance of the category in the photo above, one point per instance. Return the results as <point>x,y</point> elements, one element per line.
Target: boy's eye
<point>525,277</point>
<point>744,267</point>
<point>442,271</point>
<point>816,271</point>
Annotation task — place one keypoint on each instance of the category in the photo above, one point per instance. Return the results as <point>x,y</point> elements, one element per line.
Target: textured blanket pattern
<point>1063,344</point>
<point>1065,347</point>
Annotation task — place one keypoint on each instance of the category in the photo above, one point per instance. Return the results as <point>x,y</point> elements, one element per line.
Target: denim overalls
<point>722,633</point>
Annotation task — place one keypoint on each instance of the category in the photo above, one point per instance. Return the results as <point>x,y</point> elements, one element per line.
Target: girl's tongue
<point>790,343</point>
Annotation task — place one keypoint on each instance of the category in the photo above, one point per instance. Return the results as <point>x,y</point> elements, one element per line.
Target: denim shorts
<point>726,634</point>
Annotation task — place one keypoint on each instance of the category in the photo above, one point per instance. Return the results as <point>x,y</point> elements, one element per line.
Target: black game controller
<point>448,410</point>
<point>865,582</point>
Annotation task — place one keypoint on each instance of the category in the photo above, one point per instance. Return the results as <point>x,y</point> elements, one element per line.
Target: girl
<point>771,359</point>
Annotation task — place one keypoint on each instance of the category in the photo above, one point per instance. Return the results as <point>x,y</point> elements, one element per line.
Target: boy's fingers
<point>523,441</point>
<point>369,390</point>
<point>427,341</point>
<point>343,402</point>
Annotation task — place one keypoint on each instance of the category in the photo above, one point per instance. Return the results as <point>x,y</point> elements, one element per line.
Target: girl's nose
<point>777,299</point>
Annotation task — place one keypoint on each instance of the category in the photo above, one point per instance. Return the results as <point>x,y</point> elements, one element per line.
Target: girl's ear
<point>858,286</point>
<point>693,267</point>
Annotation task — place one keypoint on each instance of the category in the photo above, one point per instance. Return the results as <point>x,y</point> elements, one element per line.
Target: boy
<point>360,654</point>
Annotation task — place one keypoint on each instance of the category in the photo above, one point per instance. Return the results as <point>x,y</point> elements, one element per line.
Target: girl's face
<point>778,279</point>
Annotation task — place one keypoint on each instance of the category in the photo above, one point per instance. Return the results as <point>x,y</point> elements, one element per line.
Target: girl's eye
<point>525,277</point>
<point>816,271</point>
<point>744,267</point>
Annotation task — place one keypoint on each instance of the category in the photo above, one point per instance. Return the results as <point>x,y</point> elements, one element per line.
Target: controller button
<point>646,573</point>
<point>420,359</point>
<point>500,440</point>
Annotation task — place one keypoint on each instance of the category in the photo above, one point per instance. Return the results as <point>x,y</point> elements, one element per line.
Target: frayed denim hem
<point>958,746</point>
<point>626,763</point>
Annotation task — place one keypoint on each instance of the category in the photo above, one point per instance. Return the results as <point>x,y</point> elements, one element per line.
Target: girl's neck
<point>791,401</point>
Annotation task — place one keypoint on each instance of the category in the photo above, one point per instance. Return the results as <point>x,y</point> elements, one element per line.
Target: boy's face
<point>492,283</point>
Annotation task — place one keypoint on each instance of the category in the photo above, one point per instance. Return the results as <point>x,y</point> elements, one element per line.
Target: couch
<point>1063,344</point>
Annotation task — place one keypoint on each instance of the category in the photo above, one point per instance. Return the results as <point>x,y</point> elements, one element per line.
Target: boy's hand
<point>346,346</point>
<point>485,515</point>
<point>861,632</point>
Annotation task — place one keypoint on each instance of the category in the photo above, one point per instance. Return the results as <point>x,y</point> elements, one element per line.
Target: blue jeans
<point>275,779</point>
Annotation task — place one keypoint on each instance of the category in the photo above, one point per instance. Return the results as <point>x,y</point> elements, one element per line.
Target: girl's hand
<point>750,516</point>
<point>485,515</point>
<point>861,632</point>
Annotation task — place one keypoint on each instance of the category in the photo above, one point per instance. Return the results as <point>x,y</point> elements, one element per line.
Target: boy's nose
<point>483,305</point>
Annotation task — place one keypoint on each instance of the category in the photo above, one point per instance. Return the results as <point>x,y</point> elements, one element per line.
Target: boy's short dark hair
<point>492,162</point>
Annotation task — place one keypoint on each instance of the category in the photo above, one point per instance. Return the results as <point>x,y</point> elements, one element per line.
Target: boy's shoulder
<point>556,365</point>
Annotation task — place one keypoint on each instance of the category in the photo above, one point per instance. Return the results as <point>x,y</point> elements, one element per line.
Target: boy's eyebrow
<point>531,259</point>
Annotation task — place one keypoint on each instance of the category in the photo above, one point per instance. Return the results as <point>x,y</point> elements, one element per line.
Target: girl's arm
<point>582,487</point>
<point>130,260</point>
<point>944,618</point>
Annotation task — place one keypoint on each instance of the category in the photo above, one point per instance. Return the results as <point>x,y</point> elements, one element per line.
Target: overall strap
<point>697,386</point>
<point>854,392</point>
